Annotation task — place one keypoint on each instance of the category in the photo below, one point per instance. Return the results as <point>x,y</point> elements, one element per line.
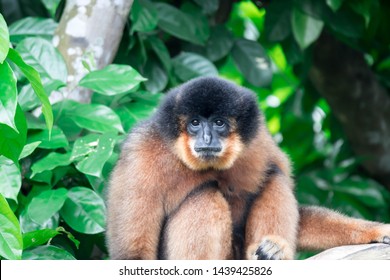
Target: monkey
<point>202,178</point>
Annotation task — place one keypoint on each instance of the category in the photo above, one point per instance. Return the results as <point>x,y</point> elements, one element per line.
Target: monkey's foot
<point>272,247</point>
<point>383,234</point>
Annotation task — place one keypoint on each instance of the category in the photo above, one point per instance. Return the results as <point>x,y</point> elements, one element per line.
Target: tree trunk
<point>89,33</point>
<point>358,100</point>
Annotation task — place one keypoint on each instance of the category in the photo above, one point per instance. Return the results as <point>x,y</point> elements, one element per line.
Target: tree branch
<point>358,100</point>
<point>90,31</point>
<point>377,251</point>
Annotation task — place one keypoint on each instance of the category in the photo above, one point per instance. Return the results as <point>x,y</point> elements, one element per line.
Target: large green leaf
<point>4,39</point>
<point>179,24</point>
<point>277,24</point>
<point>38,237</point>
<point>12,142</point>
<point>161,51</point>
<point>113,79</point>
<point>95,117</point>
<point>29,225</point>
<point>306,29</point>
<point>32,26</point>
<point>84,211</point>
<point>11,242</point>
<point>252,61</point>
<point>41,236</point>
<point>50,162</point>
<point>141,108</point>
<point>27,98</point>
<point>44,57</point>
<point>43,206</point>
<point>157,77</point>
<point>47,252</point>
<point>33,76</point>
<point>55,140</point>
<point>10,179</point>
<point>144,16</point>
<point>190,65</point>
<point>220,43</point>
<point>100,151</point>
<point>8,95</point>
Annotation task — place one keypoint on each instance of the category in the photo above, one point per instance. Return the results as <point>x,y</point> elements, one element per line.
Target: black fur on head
<point>208,96</point>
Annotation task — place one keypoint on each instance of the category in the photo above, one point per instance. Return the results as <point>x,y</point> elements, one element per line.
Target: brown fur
<point>156,180</point>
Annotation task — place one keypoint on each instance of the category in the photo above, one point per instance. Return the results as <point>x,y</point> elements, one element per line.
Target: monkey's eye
<point>219,123</point>
<point>195,122</point>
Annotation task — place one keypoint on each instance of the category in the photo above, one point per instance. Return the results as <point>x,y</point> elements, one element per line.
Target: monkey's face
<point>210,121</point>
<point>208,142</point>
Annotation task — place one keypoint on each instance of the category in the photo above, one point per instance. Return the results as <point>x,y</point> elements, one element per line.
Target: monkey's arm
<point>272,223</point>
<point>321,228</point>
<point>135,216</point>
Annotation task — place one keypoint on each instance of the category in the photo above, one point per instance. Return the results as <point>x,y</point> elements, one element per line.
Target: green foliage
<point>54,166</point>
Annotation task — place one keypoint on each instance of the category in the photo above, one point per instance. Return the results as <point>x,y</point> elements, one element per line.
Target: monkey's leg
<point>321,228</point>
<point>200,229</point>
<point>272,223</point>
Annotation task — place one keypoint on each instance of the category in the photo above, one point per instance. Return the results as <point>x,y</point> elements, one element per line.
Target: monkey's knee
<point>200,229</point>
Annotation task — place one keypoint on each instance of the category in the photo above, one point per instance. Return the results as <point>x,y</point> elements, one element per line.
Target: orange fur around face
<point>231,149</point>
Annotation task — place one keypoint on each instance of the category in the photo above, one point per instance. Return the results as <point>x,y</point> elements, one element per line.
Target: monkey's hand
<point>272,247</point>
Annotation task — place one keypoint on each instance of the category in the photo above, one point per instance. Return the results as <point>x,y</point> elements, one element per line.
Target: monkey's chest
<point>240,201</point>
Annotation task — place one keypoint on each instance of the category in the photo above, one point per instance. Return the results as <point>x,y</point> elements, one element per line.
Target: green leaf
<point>334,4</point>
<point>28,149</point>
<point>4,39</point>
<point>306,29</point>
<point>363,8</point>
<point>220,43</point>
<point>56,140</point>
<point>252,61</point>
<point>10,179</point>
<point>38,237</point>
<point>208,6</point>
<point>33,76</point>
<point>131,113</point>
<point>48,252</point>
<point>27,98</point>
<point>179,24</point>
<point>29,225</point>
<point>84,211</point>
<point>156,75</point>
<point>8,95</point>
<point>51,6</point>
<point>277,24</point>
<point>12,142</point>
<point>113,79</point>
<point>43,206</point>
<point>144,16</point>
<point>96,158</point>
<point>32,26</point>
<point>83,146</point>
<point>44,57</point>
<point>11,242</point>
<point>50,162</point>
<point>161,51</point>
<point>95,117</point>
<point>190,65</point>
<point>365,190</point>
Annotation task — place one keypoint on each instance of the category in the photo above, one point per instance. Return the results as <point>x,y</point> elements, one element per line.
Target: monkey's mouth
<point>207,153</point>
